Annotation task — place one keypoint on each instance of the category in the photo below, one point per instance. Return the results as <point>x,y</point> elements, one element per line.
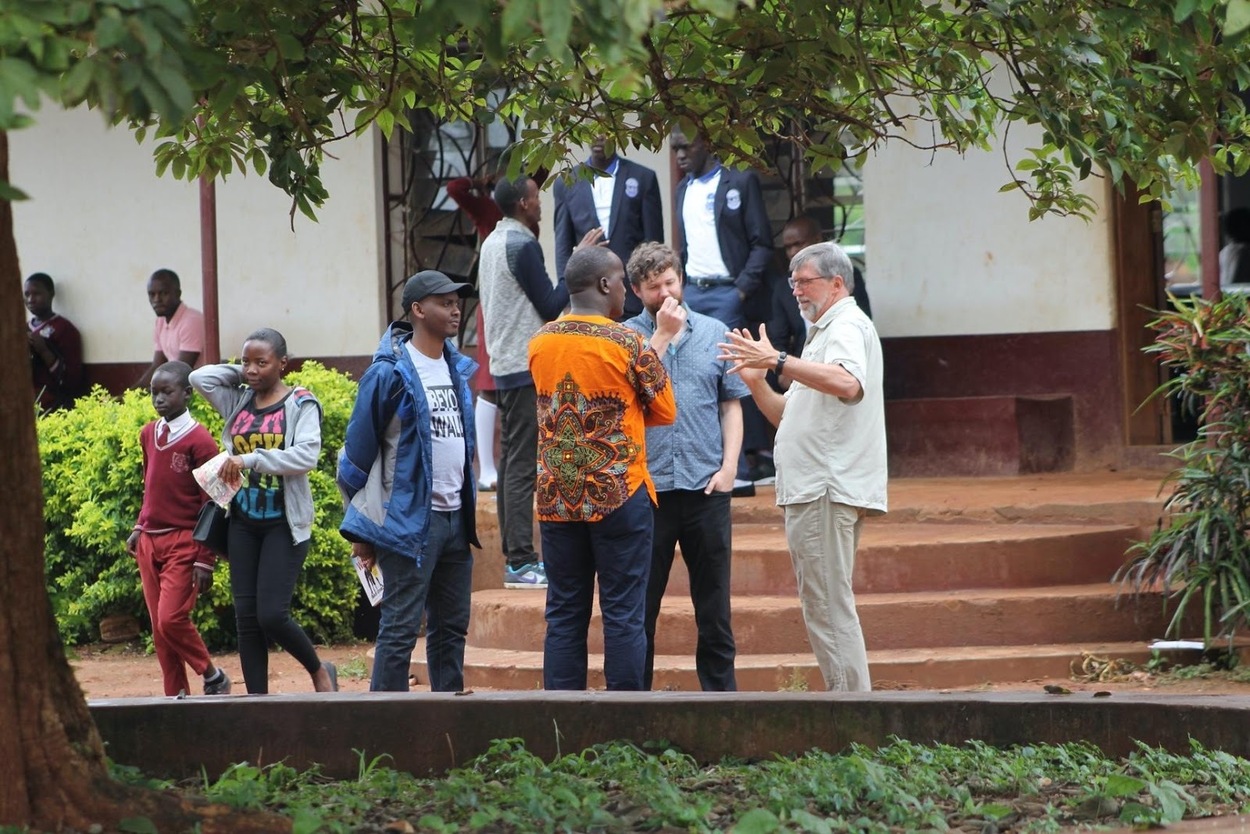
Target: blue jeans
<point>618,550</point>
<point>443,582</point>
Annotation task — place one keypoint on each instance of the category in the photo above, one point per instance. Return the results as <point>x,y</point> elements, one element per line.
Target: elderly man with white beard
<point>830,450</point>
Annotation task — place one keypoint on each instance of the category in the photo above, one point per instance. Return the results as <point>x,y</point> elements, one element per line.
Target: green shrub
<point>93,488</point>
<point>1200,555</point>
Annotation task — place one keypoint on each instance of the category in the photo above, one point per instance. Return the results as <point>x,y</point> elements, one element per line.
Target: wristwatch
<point>781,363</point>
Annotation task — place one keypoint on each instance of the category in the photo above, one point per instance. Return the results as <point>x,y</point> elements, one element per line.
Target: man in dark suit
<point>622,198</point>
<point>727,240</point>
<point>727,252</point>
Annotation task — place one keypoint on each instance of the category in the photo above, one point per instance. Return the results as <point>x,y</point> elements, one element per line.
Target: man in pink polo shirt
<point>179,333</point>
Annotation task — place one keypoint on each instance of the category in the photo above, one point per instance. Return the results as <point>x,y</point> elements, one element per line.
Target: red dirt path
<point>124,671</point>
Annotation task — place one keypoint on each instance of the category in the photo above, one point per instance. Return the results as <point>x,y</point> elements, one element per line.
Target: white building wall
<point>949,255</point>
<point>100,222</point>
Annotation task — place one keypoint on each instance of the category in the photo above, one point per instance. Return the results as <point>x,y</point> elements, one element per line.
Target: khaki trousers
<point>822,537</point>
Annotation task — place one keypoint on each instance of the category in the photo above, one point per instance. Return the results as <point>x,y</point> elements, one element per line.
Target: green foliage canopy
<point>1137,90</point>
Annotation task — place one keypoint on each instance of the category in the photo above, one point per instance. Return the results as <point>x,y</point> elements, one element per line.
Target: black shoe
<point>746,490</point>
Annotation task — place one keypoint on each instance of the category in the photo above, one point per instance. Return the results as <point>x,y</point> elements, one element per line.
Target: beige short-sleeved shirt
<point>828,448</point>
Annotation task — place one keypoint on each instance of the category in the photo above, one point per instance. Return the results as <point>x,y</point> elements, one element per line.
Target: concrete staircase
<point>965,581</point>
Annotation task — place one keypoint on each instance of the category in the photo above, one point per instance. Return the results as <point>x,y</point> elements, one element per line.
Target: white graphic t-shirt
<point>446,429</point>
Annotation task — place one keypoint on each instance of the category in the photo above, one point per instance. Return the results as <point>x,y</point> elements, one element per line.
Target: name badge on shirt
<point>733,199</point>
<point>631,188</point>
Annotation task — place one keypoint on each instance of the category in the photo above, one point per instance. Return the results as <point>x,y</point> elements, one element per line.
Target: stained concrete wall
<point>100,221</point>
<point>950,255</point>
<point>947,254</point>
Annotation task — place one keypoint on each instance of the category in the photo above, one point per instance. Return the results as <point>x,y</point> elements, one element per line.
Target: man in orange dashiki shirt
<point>599,386</point>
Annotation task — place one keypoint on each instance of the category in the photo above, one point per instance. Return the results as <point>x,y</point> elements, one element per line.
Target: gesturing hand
<point>592,238</point>
<point>751,357</point>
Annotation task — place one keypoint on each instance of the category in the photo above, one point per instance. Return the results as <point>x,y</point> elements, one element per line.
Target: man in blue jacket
<point>405,472</point>
<point>613,194</point>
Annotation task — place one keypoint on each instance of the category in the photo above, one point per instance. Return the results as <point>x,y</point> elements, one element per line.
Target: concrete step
<point>1101,498</point>
<point>935,668</point>
<point>774,624</point>
<point>1064,498</point>
<point>935,557</point>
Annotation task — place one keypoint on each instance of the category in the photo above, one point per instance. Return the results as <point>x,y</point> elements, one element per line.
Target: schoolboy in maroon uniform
<point>173,566</point>
<point>55,347</point>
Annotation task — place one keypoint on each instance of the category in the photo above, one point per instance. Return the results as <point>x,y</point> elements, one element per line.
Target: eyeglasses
<point>803,282</point>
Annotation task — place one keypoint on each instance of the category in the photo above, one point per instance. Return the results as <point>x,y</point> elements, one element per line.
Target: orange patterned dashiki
<point>599,386</point>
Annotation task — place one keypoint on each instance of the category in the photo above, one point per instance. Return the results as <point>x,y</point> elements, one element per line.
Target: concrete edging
<point>429,733</point>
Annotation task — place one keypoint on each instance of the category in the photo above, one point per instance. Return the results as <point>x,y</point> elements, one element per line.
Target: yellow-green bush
<point>93,487</point>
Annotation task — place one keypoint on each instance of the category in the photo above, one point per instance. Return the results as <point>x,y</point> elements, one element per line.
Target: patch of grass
<point>356,669</point>
<point>619,787</point>
<point>1216,664</point>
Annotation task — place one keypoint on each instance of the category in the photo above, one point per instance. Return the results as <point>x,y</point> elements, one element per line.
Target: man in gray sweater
<point>518,297</point>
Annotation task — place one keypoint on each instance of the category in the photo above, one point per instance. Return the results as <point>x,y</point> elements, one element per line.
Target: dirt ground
<point>126,671</point>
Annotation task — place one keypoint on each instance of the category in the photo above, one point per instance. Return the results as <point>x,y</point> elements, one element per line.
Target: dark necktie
<point>162,435</point>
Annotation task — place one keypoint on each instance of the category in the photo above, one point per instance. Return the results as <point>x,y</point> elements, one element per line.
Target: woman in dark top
<point>273,432</point>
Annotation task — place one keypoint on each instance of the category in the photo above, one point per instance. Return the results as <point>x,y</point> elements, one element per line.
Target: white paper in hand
<point>208,477</point>
<point>370,580</point>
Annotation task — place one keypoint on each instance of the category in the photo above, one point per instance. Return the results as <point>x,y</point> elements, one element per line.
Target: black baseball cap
<point>431,282</point>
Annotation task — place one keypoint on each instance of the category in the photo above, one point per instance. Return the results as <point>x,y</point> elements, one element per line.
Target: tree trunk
<point>52,768</point>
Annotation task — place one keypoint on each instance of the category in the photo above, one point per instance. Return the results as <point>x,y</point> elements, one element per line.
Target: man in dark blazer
<point>726,238</point>
<point>727,253</point>
<point>633,216</point>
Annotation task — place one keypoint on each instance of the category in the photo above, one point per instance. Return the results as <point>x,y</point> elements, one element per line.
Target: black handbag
<point>211,527</point>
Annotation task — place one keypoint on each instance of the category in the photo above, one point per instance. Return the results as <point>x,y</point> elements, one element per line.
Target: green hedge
<point>93,486</point>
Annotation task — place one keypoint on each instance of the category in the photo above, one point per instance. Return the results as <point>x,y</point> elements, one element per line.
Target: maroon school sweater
<point>171,497</point>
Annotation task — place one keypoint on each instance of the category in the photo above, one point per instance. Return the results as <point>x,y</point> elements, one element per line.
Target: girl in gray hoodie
<point>273,435</point>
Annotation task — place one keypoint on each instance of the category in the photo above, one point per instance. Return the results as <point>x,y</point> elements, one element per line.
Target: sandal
<point>333,673</point>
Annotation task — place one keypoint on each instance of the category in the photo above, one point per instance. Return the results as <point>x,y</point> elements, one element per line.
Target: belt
<point>712,281</point>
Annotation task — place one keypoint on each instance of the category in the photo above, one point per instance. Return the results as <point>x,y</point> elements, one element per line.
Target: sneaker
<point>219,687</point>
<point>743,489</point>
<point>486,486</point>
<point>533,575</point>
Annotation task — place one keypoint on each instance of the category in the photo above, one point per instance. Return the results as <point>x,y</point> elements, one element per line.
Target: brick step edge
<point>891,669</point>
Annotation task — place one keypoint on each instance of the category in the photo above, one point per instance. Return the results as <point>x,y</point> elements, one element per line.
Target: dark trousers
<point>701,525</point>
<point>518,471</point>
<point>617,549</point>
<point>264,565</point>
<point>441,584</point>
